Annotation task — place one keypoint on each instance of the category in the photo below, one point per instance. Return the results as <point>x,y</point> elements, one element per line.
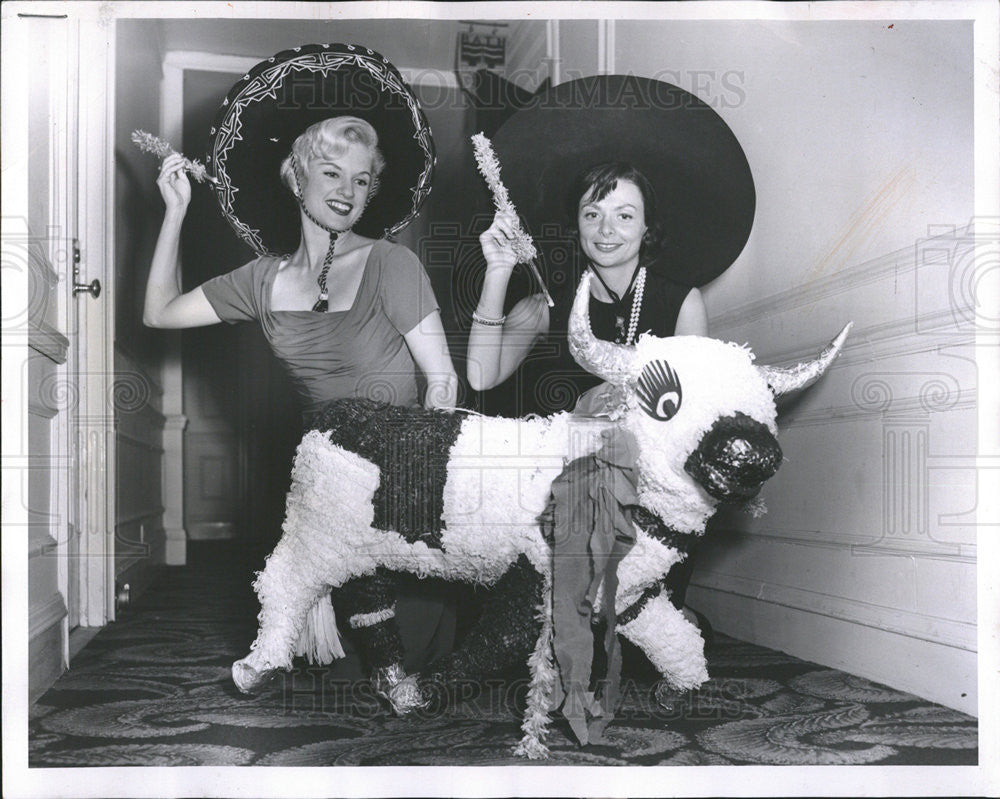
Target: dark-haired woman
<point>617,231</point>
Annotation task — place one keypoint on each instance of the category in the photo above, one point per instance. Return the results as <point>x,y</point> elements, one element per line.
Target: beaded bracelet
<point>488,322</point>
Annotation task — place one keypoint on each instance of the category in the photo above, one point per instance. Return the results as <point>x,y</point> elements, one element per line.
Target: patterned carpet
<point>153,689</point>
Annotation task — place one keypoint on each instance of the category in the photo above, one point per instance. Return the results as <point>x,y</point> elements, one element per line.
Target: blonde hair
<point>330,137</point>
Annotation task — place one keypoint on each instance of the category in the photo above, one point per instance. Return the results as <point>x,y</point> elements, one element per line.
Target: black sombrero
<point>703,183</point>
<point>276,101</point>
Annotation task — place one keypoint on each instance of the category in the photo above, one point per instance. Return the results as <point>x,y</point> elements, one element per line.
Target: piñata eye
<point>659,390</point>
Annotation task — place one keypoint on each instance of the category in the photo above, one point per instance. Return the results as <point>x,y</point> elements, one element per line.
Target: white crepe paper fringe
<point>319,641</point>
<point>521,243</point>
<point>672,644</point>
<point>489,168</point>
<point>329,505</point>
<point>543,679</point>
<point>149,143</point>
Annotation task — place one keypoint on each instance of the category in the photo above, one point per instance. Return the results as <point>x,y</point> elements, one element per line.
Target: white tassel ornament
<point>319,641</point>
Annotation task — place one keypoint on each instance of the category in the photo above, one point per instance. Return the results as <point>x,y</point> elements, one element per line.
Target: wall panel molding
<point>132,364</point>
<point>822,289</point>
<point>41,410</point>
<point>210,531</point>
<point>959,552</point>
<point>909,405</point>
<point>41,543</point>
<point>959,635</point>
<point>605,47</point>
<point>905,662</point>
<point>138,515</point>
<point>46,340</point>
<point>918,334</point>
<point>552,51</point>
<point>139,443</point>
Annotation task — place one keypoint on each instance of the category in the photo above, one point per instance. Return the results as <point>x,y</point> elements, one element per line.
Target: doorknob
<point>93,288</point>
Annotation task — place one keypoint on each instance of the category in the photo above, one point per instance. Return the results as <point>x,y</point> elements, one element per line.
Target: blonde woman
<point>348,313</point>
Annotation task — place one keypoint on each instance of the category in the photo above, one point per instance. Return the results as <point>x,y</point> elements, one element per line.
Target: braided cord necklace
<point>638,283</point>
<point>322,303</point>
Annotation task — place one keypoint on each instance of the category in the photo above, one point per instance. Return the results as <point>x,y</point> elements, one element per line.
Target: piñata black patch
<point>411,447</point>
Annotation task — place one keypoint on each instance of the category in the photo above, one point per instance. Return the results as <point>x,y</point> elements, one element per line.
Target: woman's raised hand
<point>174,184</point>
<point>496,243</point>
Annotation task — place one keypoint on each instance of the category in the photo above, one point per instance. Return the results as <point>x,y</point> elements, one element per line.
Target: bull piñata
<point>478,499</point>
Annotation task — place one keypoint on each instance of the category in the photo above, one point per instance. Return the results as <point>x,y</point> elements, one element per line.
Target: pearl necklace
<point>633,322</point>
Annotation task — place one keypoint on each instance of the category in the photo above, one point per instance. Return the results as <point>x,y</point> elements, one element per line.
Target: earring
<point>372,190</point>
<point>295,175</point>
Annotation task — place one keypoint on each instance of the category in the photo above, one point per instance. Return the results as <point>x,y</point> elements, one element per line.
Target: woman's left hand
<point>442,392</point>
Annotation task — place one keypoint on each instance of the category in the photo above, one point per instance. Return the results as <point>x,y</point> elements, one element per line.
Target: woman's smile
<point>611,229</point>
<point>338,207</point>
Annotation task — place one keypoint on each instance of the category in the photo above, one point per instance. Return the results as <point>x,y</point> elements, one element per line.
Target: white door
<point>58,381</point>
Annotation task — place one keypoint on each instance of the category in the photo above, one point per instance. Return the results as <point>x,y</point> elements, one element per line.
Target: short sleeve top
<point>359,352</point>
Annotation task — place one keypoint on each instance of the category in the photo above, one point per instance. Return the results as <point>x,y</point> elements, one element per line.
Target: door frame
<point>175,63</point>
<point>95,225</point>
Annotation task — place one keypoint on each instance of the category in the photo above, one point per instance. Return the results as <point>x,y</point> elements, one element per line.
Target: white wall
<point>860,140</point>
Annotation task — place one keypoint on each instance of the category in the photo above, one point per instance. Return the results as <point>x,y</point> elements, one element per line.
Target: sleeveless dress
<point>550,381</point>
<point>356,353</point>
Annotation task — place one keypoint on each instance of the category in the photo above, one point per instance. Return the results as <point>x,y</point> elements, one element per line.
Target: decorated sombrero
<point>705,191</point>
<point>276,101</point>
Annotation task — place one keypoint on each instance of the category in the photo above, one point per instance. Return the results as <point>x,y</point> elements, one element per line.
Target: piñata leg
<point>369,605</point>
<point>502,637</point>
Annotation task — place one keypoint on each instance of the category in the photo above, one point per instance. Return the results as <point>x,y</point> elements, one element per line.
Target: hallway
<point>153,689</point>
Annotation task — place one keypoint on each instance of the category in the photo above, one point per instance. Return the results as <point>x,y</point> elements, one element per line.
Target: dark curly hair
<point>598,181</point>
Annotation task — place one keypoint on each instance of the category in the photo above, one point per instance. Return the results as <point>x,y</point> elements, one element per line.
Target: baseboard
<point>175,546</point>
<point>931,670</point>
<point>139,575</point>
<point>79,637</point>
<point>45,647</point>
